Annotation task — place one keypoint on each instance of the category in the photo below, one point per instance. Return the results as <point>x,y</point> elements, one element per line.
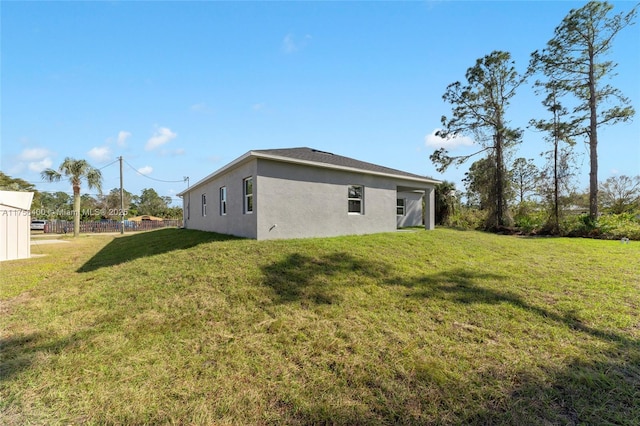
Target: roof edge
<point>261,155</point>
<point>246,156</point>
<point>344,168</point>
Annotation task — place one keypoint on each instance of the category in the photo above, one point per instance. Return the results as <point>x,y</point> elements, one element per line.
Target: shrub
<point>528,218</point>
<point>615,226</point>
<point>467,218</point>
<point>610,226</point>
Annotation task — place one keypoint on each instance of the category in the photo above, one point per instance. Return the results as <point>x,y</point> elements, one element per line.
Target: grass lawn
<point>443,327</point>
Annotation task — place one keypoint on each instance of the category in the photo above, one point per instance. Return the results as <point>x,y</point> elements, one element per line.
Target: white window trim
<point>204,205</point>
<point>361,199</point>
<point>404,206</point>
<point>223,200</point>
<point>247,196</point>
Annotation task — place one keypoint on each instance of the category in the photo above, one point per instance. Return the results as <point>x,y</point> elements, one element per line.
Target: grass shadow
<point>604,388</point>
<point>459,285</point>
<point>594,391</point>
<point>18,352</point>
<point>130,247</point>
<point>300,277</point>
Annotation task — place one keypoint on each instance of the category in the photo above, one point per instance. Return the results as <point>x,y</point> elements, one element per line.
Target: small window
<point>204,204</point>
<point>400,209</point>
<point>223,201</point>
<point>355,199</point>
<point>248,195</point>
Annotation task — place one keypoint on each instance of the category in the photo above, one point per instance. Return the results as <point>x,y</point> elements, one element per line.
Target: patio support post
<point>429,206</point>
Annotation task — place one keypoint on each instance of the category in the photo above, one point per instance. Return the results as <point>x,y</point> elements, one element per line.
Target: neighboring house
<point>15,225</point>
<point>304,192</point>
<point>145,218</point>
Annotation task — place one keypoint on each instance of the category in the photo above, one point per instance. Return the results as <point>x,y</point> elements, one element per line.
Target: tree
<point>524,175</point>
<point>7,183</point>
<point>478,182</point>
<point>150,203</point>
<point>76,171</point>
<point>446,198</point>
<point>479,109</point>
<point>621,194</point>
<point>560,130</point>
<point>90,207</point>
<point>57,205</point>
<point>111,203</point>
<point>576,57</point>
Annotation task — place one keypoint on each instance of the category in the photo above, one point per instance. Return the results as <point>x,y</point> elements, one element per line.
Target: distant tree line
<point>59,205</point>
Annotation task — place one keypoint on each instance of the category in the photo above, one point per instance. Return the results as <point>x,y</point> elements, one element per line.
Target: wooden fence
<point>66,226</point>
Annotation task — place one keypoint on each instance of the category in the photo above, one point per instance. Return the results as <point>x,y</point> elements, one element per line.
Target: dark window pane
<point>355,192</point>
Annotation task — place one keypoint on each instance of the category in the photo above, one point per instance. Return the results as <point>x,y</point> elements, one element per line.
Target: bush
<point>615,226</point>
<point>466,218</point>
<point>533,221</point>
<point>610,226</point>
<point>528,218</point>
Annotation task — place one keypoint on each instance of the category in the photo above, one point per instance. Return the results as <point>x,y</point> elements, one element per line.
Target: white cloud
<point>36,159</point>
<point>38,166</point>
<point>259,106</point>
<point>34,154</point>
<point>291,43</point>
<point>160,137</point>
<point>452,142</point>
<point>123,135</point>
<point>146,170</point>
<point>100,154</point>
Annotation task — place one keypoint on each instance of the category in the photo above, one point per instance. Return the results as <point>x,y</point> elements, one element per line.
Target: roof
<point>16,200</point>
<point>318,158</point>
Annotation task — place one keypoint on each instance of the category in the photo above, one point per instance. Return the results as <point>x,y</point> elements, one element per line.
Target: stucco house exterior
<point>15,225</point>
<point>304,192</point>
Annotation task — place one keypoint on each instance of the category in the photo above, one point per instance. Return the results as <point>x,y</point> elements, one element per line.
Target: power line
<point>113,162</point>
<point>149,177</point>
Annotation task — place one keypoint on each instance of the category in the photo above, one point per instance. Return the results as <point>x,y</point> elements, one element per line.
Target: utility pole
<point>121,200</point>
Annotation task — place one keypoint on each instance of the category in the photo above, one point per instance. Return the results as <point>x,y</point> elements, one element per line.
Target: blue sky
<point>182,88</point>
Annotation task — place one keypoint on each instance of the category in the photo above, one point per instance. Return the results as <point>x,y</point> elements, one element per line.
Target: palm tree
<point>76,171</point>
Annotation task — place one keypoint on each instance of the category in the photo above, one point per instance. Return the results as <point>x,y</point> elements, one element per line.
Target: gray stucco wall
<point>298,201</point>
<point>235,222</point>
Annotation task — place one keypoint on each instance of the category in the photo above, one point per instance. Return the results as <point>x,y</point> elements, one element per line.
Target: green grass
<point>442,327</point>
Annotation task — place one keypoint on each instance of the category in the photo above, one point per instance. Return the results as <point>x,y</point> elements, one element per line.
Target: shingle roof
<point>315,157</point>
<point>323,157</point>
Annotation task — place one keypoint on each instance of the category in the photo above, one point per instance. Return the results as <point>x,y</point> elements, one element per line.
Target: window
<point>248,195</point>
<point>400,209</point>
<point>355,199</point>
<point>223,201</point>
<point>204,204</point>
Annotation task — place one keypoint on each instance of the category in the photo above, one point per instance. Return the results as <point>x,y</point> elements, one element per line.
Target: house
<point>15,225</point>
<point>304,192</point>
